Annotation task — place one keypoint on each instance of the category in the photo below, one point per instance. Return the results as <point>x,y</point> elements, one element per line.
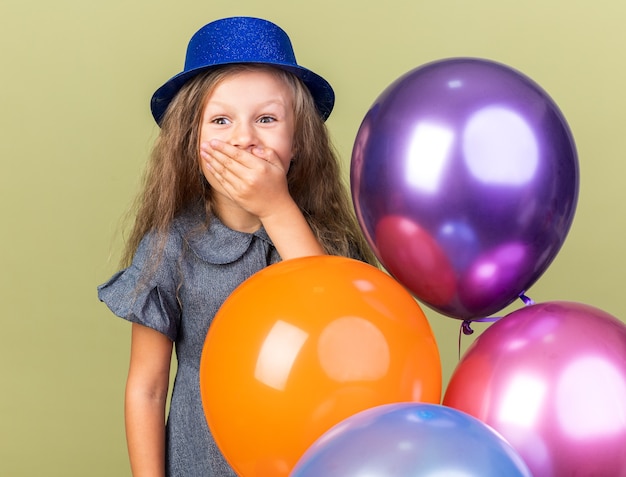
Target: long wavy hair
<point>173,180</point>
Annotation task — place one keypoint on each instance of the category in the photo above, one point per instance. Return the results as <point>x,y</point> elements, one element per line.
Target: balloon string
<point>466,326</point>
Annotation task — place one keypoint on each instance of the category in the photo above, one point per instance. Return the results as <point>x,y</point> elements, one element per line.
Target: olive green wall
<point>75,129</point>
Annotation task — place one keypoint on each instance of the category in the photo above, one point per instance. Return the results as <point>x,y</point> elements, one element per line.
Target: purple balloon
<point>411,440</point>
<point>479,159</point>
<point>551,378</point>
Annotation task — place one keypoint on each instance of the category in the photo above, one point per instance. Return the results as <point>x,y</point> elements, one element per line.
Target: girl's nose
<point>243,136</point>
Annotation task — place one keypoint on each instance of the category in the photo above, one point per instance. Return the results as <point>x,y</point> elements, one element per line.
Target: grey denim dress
<point>179,296</point>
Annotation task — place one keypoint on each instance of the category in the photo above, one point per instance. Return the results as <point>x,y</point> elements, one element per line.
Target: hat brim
<point>321,91</point>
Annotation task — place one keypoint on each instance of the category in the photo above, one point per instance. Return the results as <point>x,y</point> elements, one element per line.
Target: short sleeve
<point>145,292</point>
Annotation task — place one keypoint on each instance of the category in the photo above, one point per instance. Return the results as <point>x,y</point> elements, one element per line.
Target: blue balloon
<point>411,440</point>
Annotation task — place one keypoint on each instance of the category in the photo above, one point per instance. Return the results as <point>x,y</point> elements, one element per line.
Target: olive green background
<point>75,131</point>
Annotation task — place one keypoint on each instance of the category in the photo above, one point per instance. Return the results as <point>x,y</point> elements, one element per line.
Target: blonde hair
<point>173,180</point>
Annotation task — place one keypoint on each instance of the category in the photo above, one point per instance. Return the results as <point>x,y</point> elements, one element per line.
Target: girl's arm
<point>290,232</point>
<point>146,395</point>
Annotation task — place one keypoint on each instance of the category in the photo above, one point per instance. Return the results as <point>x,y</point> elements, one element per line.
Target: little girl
<point>242,175</point>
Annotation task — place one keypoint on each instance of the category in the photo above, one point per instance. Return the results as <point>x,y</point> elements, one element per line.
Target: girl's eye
<point>220,121</point>
<point>266,119</point>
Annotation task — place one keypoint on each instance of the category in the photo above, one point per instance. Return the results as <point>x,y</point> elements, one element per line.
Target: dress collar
<point>216,244</point>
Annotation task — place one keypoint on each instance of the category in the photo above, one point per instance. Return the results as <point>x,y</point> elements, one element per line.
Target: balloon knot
<point>527,301</point>
<point>466,326</point>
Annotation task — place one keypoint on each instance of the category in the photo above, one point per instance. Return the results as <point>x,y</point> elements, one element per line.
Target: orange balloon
<point>304,344</point>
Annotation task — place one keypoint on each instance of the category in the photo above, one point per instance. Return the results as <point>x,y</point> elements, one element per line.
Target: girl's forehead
<point>248,81</point>
<point>253,72</point>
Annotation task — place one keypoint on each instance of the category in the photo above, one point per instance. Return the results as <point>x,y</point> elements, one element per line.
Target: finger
<point>269,158</point>
<point>233,176</point>
<point>220,164</point>
<point>230,183</point>
<point>227,153</point>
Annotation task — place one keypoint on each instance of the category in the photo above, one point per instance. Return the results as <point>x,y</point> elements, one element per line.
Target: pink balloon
<point>551,378</point>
